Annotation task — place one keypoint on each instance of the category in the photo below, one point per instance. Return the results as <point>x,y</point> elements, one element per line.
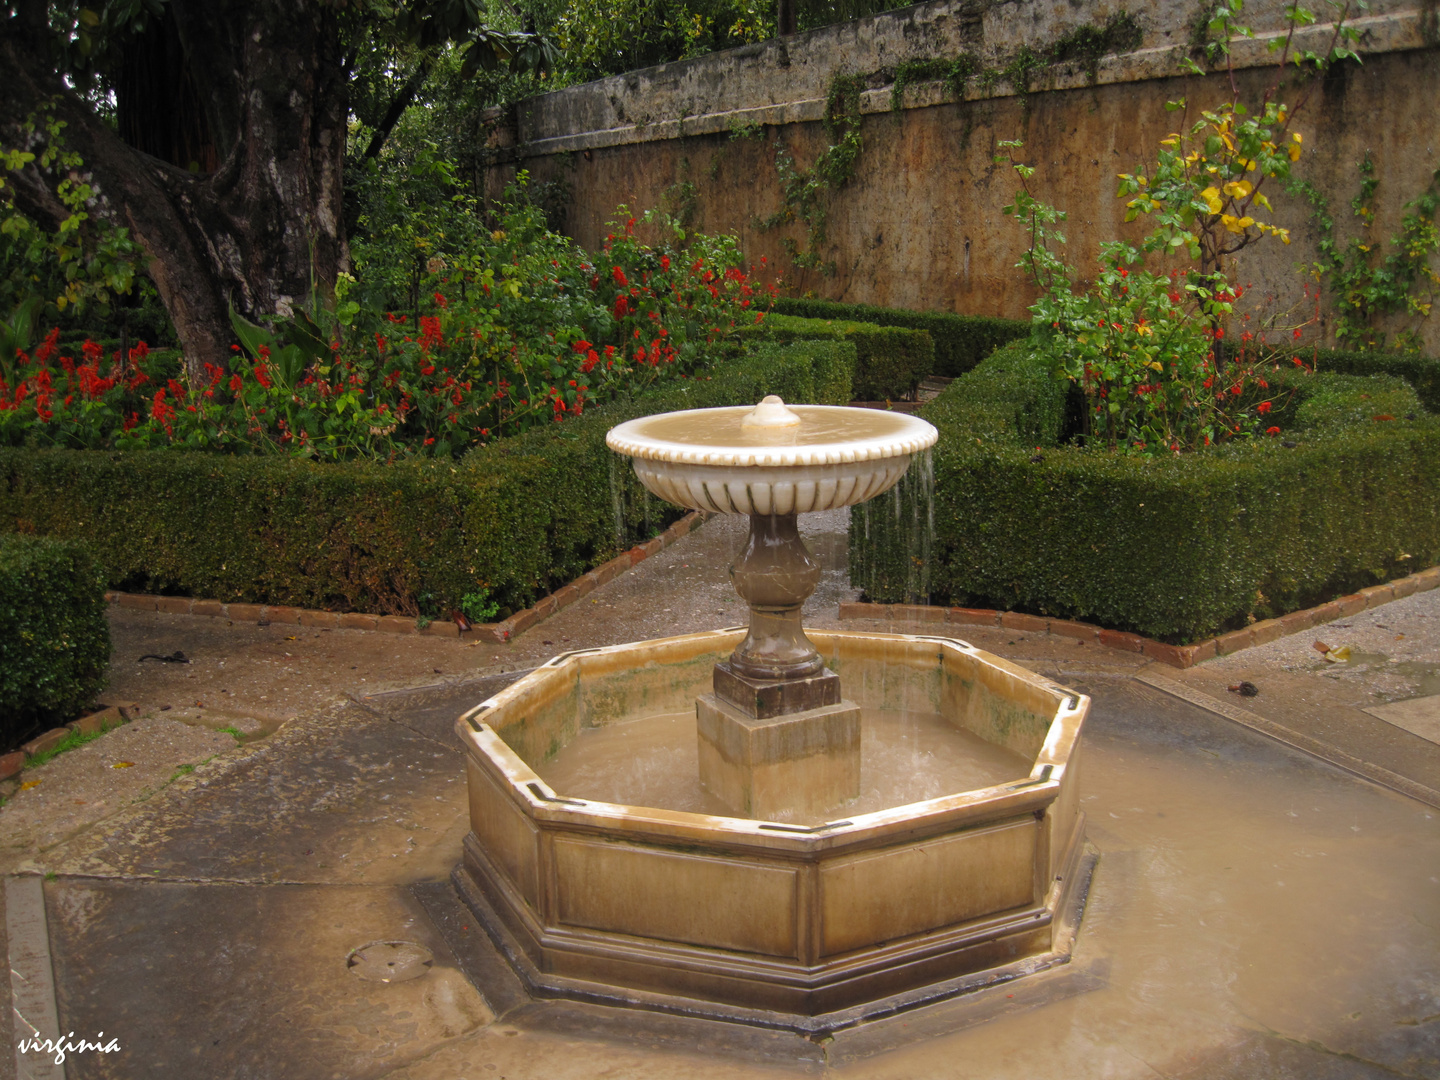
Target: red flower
<point>1272,431</point>
<point>1263,407</point>
<point>619,276</point>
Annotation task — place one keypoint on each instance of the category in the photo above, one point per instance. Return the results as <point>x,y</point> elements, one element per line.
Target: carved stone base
<point>806,762</point>
<point>766,698</point>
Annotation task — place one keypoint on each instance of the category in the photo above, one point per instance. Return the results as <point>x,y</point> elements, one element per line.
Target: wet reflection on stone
<point>905,757</point>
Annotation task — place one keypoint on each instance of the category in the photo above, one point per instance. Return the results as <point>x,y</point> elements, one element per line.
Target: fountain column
<point>775,735</point>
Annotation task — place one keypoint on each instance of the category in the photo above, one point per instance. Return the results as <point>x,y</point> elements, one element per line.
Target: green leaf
<point>251,336</point>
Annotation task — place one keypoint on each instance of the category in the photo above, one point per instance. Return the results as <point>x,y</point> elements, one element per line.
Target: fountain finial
<point>772,412</point>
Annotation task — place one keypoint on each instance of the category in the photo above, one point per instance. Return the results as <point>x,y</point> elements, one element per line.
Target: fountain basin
<point>762,921</point>
<point>710,459</point>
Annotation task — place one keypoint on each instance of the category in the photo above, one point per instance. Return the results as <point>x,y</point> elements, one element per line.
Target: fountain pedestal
<point>775,736</point>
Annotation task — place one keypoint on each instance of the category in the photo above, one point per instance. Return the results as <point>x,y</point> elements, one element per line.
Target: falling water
<point>897,537</point>
<point>619,467</point>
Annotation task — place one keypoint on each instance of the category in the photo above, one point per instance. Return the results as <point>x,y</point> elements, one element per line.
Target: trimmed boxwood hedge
<point>518,517</point>
<point>961,341</point>
<point>1175,548</point>
<point>890,361</point>
<point>54,638</point>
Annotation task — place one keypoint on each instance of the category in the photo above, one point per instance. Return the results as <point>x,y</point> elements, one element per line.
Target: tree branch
<point>398,105</point>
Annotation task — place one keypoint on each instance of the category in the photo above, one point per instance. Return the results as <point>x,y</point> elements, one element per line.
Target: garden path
<point>1255,912</point>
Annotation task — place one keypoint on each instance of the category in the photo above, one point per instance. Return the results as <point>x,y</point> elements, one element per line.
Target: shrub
<point>1178,547</point>
<point>890,361</point>
<point>54,638</point>
<point>961,341</point>
<point>501,331</point>
<point>517,517</point>
<point>1421,372</point>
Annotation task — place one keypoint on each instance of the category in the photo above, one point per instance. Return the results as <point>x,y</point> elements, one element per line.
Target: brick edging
<point>512,627</point>
<point>1178,656</point>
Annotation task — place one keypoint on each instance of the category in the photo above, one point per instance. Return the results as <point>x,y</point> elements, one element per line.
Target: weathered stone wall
<point>920,223</point>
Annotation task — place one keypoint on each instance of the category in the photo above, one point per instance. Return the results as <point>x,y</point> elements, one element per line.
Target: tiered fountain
<point>809,867</point>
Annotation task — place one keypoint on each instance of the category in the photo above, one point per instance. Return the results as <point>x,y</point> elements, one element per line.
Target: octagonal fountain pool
<point>706,824</point>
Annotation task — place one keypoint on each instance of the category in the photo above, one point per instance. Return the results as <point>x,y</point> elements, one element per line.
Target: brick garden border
<point>1177,656</point>
<point>512,627</point>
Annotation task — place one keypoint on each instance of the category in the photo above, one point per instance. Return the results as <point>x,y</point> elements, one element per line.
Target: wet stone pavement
<point>1256,912</point>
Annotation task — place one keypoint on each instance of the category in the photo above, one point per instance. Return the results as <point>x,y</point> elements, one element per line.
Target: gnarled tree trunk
<point>257,91</point>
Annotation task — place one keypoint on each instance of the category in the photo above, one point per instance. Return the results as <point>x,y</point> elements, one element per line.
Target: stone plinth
<point>765,698</point>
<point>806,762</point>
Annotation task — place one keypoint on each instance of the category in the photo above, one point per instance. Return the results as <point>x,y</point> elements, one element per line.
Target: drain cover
<point>389,961</point>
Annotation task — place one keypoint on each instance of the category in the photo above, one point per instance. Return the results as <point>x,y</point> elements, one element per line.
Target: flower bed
<point>514,518</point>
<point>54,640</point>
<point>513,328</point>
<point>1345,495</point>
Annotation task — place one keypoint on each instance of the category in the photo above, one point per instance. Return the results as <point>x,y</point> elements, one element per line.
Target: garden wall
<point>919,225</point>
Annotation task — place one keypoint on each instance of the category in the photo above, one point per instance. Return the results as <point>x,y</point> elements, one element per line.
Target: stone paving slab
<point>217,980</point>
<point>1419,716</point>
<point>345,797</point>
<point>1396,657</point>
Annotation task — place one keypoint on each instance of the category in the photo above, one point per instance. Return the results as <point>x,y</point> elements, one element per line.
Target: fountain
<point>799,870</point>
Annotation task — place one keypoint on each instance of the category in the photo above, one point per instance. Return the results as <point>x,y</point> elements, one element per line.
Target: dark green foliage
<point>1421,372</point>
<point>518,517</point>
<point>1175,548</point>
<point>54,639</point>
<point>961,341</point>
<point>890,361</point>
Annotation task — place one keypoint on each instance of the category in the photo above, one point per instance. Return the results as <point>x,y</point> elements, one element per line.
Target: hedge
<point>961,341</point>
<point>1175,548</point>
<point>890,361</point>
<point>518,517</point>
<point>1421,372</point>
<point>54,638</point>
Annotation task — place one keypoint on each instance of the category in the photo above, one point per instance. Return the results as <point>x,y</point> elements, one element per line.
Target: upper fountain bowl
<point>773,458</point>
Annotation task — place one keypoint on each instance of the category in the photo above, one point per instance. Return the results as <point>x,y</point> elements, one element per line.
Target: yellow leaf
<point>1238,189</point>
<point>1296,138</point>
<point>28,784</point>
<point>123,765</point>
<point>1261,200</point>
<point>1294,151</point>
<point>1212,199</point>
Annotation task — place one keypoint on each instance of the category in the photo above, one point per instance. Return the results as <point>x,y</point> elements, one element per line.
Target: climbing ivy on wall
<point>806,192</point>
<point>1372,285</point>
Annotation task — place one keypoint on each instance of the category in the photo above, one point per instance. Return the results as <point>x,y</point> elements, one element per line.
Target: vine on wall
<point>1367,288</point>
<point>806,193</point>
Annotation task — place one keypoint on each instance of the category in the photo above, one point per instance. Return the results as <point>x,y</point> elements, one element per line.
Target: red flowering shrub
<point>523,329</point>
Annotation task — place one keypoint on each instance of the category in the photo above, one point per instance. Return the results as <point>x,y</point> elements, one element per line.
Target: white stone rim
<point>915,435</point>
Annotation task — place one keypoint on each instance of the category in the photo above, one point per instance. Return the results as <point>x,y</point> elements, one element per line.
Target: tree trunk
<point>265,229</point>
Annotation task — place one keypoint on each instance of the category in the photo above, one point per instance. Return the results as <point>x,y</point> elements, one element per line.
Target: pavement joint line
<point>1366,770</point>
<point>32,976</point>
